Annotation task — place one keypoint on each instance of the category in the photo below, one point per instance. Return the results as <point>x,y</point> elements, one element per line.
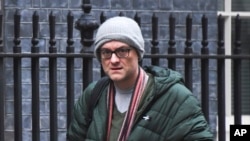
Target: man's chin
<point>116,78</point>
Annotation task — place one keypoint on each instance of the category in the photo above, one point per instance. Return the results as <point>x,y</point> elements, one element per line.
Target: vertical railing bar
<point>154,42</point>
<point>221,81</point>
<point>204,70</point>
<point>237,73</point>
<point>17,78</point>
<point>53,80</point>
<point>137,19</point>
<point>121,14</point>
<point>103,17</point>
<point>171,42</point>
<point>87,24</point>
<point>2,81</point>
<point>70,69</point>
<point>188,50</point>
<point>35,80</point>
<point>87,71</point>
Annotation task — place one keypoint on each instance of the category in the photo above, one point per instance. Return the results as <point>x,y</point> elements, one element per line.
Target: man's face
<point>119,61</point>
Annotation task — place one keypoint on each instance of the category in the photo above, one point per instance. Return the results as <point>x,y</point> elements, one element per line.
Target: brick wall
<point>145,9</point>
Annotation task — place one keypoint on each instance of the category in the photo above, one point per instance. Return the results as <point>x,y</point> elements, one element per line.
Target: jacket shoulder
<point>78,127</point>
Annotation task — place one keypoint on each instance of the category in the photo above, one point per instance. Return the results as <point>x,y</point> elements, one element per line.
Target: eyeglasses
<point>122,52</point>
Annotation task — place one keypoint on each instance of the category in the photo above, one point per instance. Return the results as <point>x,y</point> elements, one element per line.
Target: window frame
<point>228,15</point>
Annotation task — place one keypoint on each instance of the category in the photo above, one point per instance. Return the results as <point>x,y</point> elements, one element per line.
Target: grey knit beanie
<point>122,29</point>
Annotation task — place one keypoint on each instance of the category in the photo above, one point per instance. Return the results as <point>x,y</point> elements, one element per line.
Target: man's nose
<point>114,58</point>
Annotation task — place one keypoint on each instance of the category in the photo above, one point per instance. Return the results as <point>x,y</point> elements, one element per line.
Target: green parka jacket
<point>173,113</point>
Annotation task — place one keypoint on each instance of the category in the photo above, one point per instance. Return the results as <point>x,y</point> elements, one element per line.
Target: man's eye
<point>122,50</point>
<point>106,51</point>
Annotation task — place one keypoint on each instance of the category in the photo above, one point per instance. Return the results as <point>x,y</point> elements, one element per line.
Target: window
<point>245,74</point>
<point>229,9</point>
<point>244,6</point>
<point>241,5</point>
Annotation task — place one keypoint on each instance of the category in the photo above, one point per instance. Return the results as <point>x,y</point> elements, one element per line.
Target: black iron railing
<point>86,25</point>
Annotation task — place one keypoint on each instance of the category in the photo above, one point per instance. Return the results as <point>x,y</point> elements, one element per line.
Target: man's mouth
<point>116,68</point>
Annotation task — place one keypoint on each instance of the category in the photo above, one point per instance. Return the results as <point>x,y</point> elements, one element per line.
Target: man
<point>138,104</point>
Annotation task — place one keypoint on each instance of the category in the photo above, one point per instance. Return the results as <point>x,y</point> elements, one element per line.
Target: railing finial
<point>86,24</point>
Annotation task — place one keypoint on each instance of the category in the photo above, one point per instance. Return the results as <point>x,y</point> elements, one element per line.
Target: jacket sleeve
<point>189,122</point>
<point>78,127</point>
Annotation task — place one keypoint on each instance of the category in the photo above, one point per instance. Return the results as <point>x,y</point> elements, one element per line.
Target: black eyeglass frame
<point>121,52</point>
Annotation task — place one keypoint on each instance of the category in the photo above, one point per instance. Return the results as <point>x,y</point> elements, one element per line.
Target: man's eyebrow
<point>106,49</point>
<point>124,47</point>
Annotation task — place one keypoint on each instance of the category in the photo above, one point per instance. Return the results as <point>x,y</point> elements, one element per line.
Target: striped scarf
<point>134,103</point>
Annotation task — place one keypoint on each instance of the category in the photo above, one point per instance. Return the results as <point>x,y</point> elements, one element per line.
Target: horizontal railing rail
<point>91,55</point>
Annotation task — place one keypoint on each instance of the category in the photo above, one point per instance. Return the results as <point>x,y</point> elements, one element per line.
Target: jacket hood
<point>164,78</point>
